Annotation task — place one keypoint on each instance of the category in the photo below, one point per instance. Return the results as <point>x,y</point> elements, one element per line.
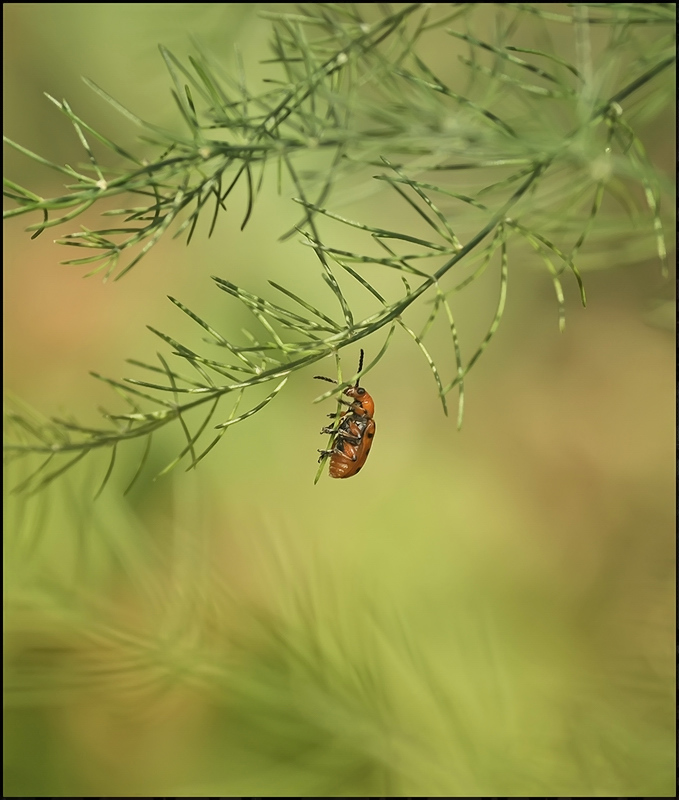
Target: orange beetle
<point>355,432</point>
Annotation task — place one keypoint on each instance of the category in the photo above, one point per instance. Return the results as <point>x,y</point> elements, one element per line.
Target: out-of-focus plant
<point>159,661</point>
<point>517,163</point>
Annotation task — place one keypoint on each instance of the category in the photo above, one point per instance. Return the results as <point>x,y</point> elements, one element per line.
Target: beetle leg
<point>326,454</point>
<point>340,431</point>
<point>348,437</point>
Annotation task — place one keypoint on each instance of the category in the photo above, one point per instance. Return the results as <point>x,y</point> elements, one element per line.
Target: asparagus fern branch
<point>540,145</point>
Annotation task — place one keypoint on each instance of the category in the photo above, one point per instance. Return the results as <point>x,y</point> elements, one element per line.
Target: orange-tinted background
<point>529,558</point>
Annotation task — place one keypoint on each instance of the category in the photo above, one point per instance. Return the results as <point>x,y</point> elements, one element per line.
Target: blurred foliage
<point>445,656</point>
<point>486,613</point>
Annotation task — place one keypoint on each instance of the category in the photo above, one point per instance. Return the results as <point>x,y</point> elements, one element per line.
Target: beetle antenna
<point>323,378</point>
<point>360,367</point>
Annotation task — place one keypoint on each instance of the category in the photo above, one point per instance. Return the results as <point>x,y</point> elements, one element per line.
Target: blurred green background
<point>484,612</point>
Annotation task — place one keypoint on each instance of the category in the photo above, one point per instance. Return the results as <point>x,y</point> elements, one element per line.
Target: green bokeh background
<point>481,612</point>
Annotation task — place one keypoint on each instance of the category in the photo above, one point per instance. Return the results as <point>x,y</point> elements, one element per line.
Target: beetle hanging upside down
<point>355,432</point>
